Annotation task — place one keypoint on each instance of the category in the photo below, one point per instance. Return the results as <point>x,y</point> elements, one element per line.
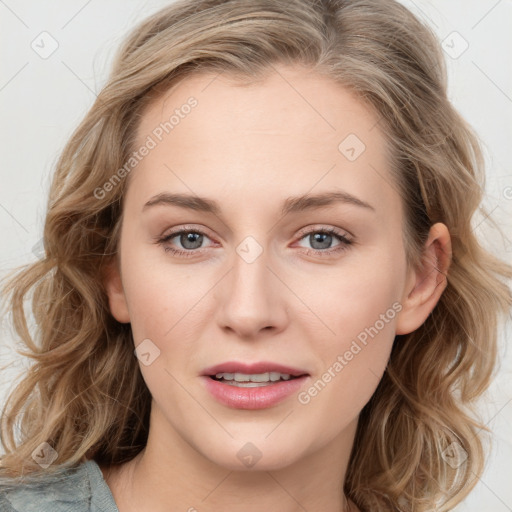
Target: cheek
<point>352,297</point>
<point>351,365</point>
<point>166,308</point>
<point>358,308</point>
<point>160,296</point>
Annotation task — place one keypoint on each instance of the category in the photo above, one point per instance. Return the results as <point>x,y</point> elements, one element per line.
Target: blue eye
<point>191,242</point>
<point>321,240</point>
<point>190,239</point>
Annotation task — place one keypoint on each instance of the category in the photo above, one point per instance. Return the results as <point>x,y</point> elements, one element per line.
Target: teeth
<point>241,377</point>
<point>257,377</point>
<point>254,377</point>
<point>227,376</point>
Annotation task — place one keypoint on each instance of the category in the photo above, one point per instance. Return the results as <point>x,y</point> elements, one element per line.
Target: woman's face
<point>263,229</point>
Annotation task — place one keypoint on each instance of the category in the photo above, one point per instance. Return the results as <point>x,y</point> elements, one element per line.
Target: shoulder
<point>76,489</point>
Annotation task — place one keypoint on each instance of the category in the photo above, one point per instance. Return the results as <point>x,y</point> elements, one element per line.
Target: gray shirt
<point>79,489</point>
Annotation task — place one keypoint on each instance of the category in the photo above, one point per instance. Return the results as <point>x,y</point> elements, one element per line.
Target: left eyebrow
<point>306,202</point>
<point>290,205</point>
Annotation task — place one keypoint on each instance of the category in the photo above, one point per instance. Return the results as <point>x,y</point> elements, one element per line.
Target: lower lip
<point>259,397</point>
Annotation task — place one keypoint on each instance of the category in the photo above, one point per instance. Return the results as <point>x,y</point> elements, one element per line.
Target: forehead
<point>290,100</point>
<point>294,130</point>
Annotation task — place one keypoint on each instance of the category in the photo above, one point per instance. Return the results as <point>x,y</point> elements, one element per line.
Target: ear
<point>426,284</point>
<point>114,288</point>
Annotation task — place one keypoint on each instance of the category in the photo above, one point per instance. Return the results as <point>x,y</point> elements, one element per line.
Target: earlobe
<point>428,282</point>
<point>115,292</point>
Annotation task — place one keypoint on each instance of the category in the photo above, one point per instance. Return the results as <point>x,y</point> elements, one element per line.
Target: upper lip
<point>252,368</point>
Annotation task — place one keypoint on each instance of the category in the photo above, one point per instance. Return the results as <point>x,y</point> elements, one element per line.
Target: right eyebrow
<point>185,201</point>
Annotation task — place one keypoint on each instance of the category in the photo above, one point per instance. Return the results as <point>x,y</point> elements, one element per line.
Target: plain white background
<point>43,97</point>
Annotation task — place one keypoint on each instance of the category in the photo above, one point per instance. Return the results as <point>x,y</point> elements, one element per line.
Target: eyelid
<point>187,228</point>
<point>315,228</point>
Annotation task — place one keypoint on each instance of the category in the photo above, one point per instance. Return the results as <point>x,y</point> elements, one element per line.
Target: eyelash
<point>343,246</point>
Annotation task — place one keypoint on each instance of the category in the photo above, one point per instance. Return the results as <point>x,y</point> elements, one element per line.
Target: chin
<point>254,454</point>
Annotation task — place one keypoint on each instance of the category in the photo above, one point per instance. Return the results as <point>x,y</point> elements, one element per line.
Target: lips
<point>253,368</point>
<point>252,386</point>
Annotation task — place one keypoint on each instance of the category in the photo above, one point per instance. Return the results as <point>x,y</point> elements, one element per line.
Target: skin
<point>249,148</point>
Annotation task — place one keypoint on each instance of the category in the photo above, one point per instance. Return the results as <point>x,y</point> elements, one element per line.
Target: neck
<point>171,474</point>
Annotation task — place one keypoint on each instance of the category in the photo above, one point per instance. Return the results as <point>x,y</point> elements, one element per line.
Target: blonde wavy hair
<point>84,393</point>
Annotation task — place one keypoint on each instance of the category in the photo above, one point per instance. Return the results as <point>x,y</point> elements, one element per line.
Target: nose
<point>251,299</point>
